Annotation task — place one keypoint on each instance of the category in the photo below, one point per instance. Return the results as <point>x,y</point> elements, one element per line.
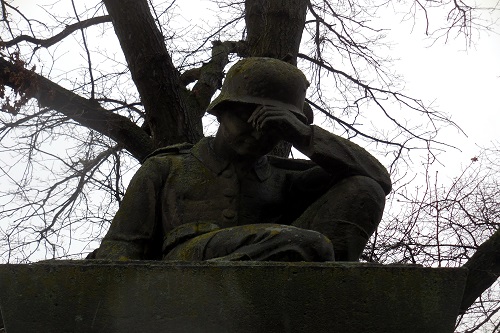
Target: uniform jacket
<point>179,186</point>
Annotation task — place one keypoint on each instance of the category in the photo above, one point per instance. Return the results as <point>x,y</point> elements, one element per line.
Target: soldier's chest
<point>225,199</point>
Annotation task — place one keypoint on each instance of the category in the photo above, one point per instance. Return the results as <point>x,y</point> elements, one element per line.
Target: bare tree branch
<point>86,112</point>
<point>60,36</point>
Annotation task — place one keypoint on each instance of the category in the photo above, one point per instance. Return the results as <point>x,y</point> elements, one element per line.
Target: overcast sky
<point>463,80</point>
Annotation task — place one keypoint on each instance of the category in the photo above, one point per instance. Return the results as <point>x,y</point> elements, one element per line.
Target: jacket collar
<point>203,152</point>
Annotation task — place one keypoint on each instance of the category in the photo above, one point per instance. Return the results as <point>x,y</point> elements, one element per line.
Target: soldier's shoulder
<point>178,149</point>
<point>290,163</point>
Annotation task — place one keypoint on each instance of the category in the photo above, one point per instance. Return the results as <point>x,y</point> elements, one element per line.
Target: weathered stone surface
<point>141,296</point>
<point>229,182</point>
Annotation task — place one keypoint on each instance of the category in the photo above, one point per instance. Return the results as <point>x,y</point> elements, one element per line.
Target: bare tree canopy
<point>90,88</point>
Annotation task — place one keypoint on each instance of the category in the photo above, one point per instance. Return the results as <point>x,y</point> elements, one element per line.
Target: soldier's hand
<point>282,123</point>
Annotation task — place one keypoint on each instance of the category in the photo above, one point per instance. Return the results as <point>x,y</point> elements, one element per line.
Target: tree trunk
<point>484,270</point>
<point>153,73</point>
<point>274,28</point>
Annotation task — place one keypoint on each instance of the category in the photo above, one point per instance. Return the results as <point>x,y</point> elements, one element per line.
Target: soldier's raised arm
<point>333,153</point>
<point>336,154</point>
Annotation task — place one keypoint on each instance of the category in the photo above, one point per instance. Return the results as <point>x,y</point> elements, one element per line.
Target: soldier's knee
<point>358,193</point>
<point>362,185</point>
<point>359,200</point>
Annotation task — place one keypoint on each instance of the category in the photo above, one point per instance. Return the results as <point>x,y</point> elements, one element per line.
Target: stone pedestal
<point>101,296</point>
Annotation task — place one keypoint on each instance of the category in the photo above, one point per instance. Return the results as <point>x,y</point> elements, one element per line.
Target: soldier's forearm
<point>338,155</point>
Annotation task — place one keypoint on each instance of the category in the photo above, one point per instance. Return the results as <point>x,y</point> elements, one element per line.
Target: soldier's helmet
<point>264,81</point>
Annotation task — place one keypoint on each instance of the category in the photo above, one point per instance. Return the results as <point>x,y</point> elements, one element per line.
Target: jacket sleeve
<point>344,158</point>
<point>134,229</point>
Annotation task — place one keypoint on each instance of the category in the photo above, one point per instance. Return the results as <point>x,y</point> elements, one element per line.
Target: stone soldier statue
<point>225,199</point>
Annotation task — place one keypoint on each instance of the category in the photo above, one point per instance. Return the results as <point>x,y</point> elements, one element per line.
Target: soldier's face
<point>240,136</point>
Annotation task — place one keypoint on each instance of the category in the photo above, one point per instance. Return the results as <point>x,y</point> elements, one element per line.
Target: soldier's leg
<point>347,214</point>
<point>260,242</point>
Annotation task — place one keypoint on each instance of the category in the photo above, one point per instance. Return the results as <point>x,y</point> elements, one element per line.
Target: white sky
<point>464,81</point>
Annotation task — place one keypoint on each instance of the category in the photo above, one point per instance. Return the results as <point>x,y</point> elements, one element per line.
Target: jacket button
<point>229,213</point>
